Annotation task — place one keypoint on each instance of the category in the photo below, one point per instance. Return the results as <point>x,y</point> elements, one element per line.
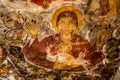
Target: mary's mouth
<point>67,31</point>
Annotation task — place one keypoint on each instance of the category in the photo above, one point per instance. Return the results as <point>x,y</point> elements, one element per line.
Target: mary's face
<point>66,25</point>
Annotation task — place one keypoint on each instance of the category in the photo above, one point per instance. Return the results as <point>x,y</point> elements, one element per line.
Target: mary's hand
<point>83,61</point>
<point>47,50</point>
<point>49,56</point>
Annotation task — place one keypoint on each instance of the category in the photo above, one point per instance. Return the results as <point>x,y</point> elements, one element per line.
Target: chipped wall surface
<point>59,39</point>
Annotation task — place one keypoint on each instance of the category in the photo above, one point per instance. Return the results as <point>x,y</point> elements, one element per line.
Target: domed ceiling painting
<point>59,39</point>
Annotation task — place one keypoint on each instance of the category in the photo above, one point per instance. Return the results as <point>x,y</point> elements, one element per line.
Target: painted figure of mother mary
<point>65,50</point>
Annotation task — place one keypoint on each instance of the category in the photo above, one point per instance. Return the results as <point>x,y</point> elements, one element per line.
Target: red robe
<point>40,2</point>
<point>36,53</point>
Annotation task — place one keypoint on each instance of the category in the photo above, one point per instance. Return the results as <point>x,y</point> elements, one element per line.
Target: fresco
<point>59,40</point>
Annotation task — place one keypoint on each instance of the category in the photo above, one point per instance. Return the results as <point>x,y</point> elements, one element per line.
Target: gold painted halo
<point>68,8</point>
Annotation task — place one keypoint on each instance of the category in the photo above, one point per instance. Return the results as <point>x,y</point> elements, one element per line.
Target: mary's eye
<point>62,22</point>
